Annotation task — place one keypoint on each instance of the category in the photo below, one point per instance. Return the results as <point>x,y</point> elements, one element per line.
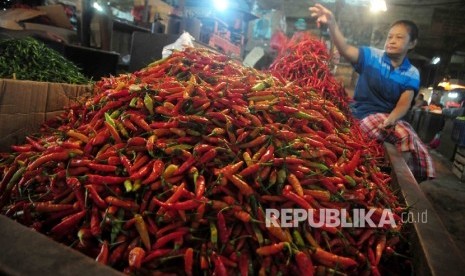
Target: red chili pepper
<point>243,187</point>
<point>365,236</point>
<point>333,260</point>
<point>157,170</point>
<point>102,167</point>
<point>156,254</point>
<point>142,172</point>
<point>66,225</point>
<point>99,202</point>
<point>188,261</point>
<point>318,194</point>
<point>100,138</point>
<point>244,264</point>
<point>272,249</point>
<point>136,256</point>
<point>304,263</point>
<point>79,162</point>
<point>220,269</point>
<point>252,169</point>
<point>294,181</point>
<point>140,161</point>
<point>102,256</point>
<point>169,124</point>
<point>117,254</point>
<point>287,193</point>
<point>136,141</point>
<point>76,186</point>
<point>128,205</point>
<point>288,161</point>
<point>199,215</point>
<point>371,255</point>
<point>95,223</point>
<point>286,135</point>
<point>268,155</point>
<point>255,142</point>
<point>56,157</point>
<point>242,136</point>
<point>177,194</point>
<point>278,233</point>
<point>222,228</point>
<point>151,226</point>
<point>102,180</point>
<point>128,124</point>
<point>200,187</point>
<point>162,241</point>
<point>138,120</point>
<point>207,156</point>
<point>184,205</point>
<point>45,207</point>
<point>380,246</point>
<point>185,166</point>
<point>126,163</point>
<point>114,160</point>
<point>22,148</point>
<point>350,167</point>
<point>168,228</point>
<point>232,168</point>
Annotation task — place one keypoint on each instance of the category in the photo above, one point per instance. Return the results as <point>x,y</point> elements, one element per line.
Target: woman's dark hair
<point>411,26</point>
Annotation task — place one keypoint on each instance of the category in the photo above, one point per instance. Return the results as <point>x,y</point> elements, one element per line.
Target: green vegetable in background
<point>29,59</point>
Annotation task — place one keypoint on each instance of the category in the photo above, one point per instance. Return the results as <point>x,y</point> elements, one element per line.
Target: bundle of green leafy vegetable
<point>29,59</point>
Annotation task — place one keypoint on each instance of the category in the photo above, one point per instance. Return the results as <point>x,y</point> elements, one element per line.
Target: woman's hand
<point>388,123</point>
<point>322,14</point>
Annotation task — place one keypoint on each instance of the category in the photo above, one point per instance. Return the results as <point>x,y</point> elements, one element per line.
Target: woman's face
<point>398,41</point>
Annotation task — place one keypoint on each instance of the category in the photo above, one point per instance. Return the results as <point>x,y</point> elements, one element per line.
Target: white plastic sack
<point>185,40</point>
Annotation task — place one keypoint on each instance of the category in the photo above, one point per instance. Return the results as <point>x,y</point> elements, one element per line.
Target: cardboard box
<point>68,36</point>
<point>25,105</point>
<point>57,15</point>
<point>10,19</point>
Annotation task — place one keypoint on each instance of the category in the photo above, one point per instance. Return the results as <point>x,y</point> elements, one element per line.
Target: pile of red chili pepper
<point>171,169</point>
<point>305,60</point>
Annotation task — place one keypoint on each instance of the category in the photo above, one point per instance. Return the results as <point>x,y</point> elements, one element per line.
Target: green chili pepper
<point>317,165</point>
<point>259,86</point>
<point>128,185</point>
<point>158,62</point>
<point>281,176</point>
<point>213,233</point>
<point>133,102</point>
<point>110,120</point>
<point>29,59</point>
<point>298,240</point>
<point>116,225</point>
<point>303,115</point>
<point>115,114</point>
<point>351,181</point>
<point>148,102</point>
<point>258,234</point>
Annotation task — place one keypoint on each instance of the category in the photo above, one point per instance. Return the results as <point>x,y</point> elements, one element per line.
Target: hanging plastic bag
<point>278,41</point>
<point>185,40</point>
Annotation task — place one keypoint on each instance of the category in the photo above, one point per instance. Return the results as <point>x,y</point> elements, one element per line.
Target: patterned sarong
<point>404,137</point>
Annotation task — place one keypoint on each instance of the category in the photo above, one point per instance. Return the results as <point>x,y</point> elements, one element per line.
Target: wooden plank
<point>27,252</point>
<point>434,252</point>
